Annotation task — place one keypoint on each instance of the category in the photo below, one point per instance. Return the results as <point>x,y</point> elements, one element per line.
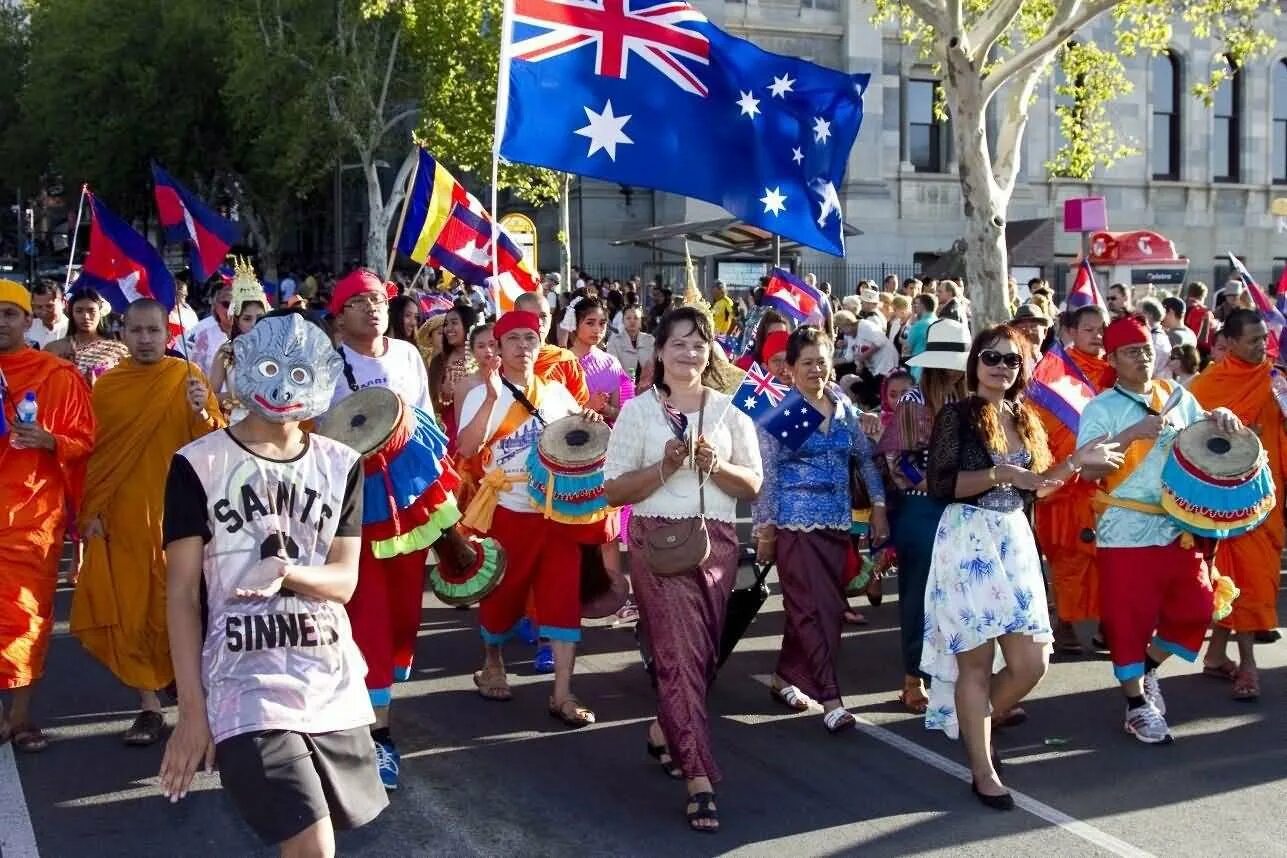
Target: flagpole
<point>498,134</point>
<point>402,216</point>
<point>71,256</point>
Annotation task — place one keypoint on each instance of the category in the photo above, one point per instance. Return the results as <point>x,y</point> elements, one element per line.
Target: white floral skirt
<point>984,582</point>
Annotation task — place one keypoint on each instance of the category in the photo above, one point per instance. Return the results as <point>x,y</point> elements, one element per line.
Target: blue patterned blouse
<point>808,489</point>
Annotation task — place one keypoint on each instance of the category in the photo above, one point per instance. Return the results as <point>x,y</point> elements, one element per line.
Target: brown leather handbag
<point>680,546</point>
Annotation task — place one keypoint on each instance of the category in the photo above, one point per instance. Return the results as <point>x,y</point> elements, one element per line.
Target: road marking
<point>1041,810</point>
<point>17,838</point>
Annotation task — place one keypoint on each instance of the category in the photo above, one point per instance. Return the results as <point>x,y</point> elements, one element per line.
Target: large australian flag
<point>651,93</point>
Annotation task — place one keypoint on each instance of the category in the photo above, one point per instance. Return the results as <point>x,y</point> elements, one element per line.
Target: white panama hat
<point>947,346</point>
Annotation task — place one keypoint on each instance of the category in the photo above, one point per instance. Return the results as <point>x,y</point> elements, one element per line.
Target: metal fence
<point>843,276</point>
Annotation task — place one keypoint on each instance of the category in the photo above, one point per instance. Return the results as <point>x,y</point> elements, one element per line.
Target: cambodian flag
<point>1059,386</point>
<point>1084,292</point>
<point>185,218</point>
<point>791,295</point>
<point>759,393</point>
<point>1274,320</point>
<point>121,264</point>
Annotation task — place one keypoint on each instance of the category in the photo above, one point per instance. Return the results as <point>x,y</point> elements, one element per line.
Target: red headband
<point>517,320</point>
<point>774,343</point>
<point>1129,331</point>
<point>357,282</point>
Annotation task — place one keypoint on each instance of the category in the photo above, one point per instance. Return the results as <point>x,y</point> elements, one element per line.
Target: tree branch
<point>388,72</point>
<point>1010,134</point>
<point>394,120</point>
<point>400,183</point>
<point>992,24</point>
<point>932,12</point>
<point>1047,44</point>
<point>956,20</point>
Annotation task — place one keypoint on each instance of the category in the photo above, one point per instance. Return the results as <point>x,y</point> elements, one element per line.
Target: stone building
<point>1205,177</point>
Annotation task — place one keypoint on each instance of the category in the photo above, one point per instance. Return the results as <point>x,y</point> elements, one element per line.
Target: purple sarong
<point>683,616</point>
<point>811,570</point>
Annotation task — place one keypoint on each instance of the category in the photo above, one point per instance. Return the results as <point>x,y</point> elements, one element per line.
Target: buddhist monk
<point>1240,382</point>
<point>146,408</point>
<point>1065,518</point>
<point>42,468</point>
<point>554,364</point>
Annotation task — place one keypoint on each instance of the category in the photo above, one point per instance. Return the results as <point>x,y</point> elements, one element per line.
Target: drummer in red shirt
<point>503,419</point>
<point>1155,590</point>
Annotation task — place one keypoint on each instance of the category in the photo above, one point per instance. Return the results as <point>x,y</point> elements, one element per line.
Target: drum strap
<point>1103,501</point>
<point>521,398</point>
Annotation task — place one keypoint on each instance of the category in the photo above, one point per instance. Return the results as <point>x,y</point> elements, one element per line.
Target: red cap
<point>774,343</point>
<point>358,282</point>
<point>1129,331</point>
<point>516,320</point>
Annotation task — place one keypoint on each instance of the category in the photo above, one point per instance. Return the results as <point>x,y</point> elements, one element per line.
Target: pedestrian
<point>41,471</point>
<point>502,419</point>
<point>146,408</point>
<point>49,322</point>
<point>631,346</point>
<point>450,365</point>
<point>925,308</point>
<point>1155,588</point>
<point>1199,318</point>
<point>770,322</point>
<point>283,714</point>
<point>682,457</point>
<point>985,589</point>
<point>87,346</point>
<point>554,364</point>
<point>1241,384</point>
<point>404,318</point>
<point>1151,310</point>
<point>803,517</point>
<point>212,331</point>
<point>721,309</point>
<point>249,304</point>
<point>913,511</point>
<point>1066,518</point>
<point>951,303</point>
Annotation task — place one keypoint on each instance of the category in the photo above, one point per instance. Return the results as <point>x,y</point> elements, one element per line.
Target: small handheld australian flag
<point>793,421</point>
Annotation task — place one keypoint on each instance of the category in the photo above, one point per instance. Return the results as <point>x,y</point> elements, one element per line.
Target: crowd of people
<point>230,552</point>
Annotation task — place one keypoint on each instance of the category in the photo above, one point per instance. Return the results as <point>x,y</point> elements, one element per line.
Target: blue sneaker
<point>526,632</point>
<point>387,762</point>
<point>544,659</point>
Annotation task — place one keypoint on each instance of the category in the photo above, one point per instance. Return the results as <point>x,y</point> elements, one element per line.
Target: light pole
<point>340,169</point>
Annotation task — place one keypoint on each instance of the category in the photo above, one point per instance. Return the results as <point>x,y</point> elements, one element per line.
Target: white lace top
<point>639,438</point>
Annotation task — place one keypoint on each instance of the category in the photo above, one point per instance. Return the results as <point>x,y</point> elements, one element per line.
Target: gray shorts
<point>284,782</point>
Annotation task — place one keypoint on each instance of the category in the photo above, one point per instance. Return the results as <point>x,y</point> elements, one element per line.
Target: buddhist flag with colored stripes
<point>447,227</point>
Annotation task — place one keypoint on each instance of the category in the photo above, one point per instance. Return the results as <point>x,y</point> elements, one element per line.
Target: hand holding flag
<point>1274,320</point>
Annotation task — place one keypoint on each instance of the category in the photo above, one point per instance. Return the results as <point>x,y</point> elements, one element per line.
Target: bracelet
<point>992,475</point>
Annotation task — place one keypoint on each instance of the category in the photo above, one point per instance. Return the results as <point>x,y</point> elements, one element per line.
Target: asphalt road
<point>483,778</point>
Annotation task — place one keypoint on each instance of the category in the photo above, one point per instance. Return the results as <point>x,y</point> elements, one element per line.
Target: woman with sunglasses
<point>985,591</point>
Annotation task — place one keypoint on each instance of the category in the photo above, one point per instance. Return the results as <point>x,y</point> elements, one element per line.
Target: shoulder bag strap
<point>701,484</point>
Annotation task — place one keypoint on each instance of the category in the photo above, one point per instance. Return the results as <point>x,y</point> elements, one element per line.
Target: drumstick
<point>1171,401</point>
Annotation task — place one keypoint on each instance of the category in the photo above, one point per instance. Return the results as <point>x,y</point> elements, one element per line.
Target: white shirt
<point>510,453</point>
<point>400,368</point>
<point>186,318</point>
<point>631,355</point>
<point>1161,352</point>
<point>38,336</point>
<point>206,339</point>
<point>873,349</point>
<point>639,438</point>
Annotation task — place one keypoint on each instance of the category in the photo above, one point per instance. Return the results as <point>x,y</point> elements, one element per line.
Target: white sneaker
<point>1147,724</point>
<point>1153,692</point>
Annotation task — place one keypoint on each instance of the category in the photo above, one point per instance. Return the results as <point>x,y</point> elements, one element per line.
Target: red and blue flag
<point>791,295</point>
<point>184,217</point>
<point>121,264</point>
<point>1059,386</point>
<point>1084,291</point>
<point>1274,320</point>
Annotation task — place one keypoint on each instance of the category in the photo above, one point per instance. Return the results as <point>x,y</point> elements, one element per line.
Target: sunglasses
<point>991,357</point>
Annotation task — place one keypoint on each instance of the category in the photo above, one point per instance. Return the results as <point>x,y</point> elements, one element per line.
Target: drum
<point>407,494</point>
<point>565,471</point>
<point>1217,485</point>
<point>467,569</point>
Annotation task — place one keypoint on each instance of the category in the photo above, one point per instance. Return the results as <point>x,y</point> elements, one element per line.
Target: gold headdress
<point>246,288</point>
<point>693,295</point>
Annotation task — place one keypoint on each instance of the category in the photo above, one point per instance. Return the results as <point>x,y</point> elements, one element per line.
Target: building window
<point>1226,132</point>
<point>1166,117</point>
<point>924,131</point>
<point>1280,122</point>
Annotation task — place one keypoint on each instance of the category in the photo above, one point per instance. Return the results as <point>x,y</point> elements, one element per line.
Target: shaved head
<point>146,330</point>
<point>146,305</point>
<point>535,302</point>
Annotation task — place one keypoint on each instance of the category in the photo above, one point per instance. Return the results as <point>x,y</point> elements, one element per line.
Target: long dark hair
<point>698,322</point>
<point>438,366</point>
<point>986,418</point>
<point>397,309</point>
<point>87,293</point>
<point>770,317</point>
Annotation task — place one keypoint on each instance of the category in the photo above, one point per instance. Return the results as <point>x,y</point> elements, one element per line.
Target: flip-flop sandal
<point>572,712</point>
<point>29,739</point>
<point>703,804</point>
<point>839,720</point>
<point>791,697</point>
<point>492,685</point>
<point>1246,687</point>
<point>661,753</point>
<point>146,730</point>
<point>1013,718</point>
<point>1226,670</point>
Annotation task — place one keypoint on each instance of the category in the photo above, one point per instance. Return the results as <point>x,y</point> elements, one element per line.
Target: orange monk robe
<point>1064,516</point>
<point>118,613</point>
<point>36,488</point>
<point>1253,559</point>
<point>562,367</point>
